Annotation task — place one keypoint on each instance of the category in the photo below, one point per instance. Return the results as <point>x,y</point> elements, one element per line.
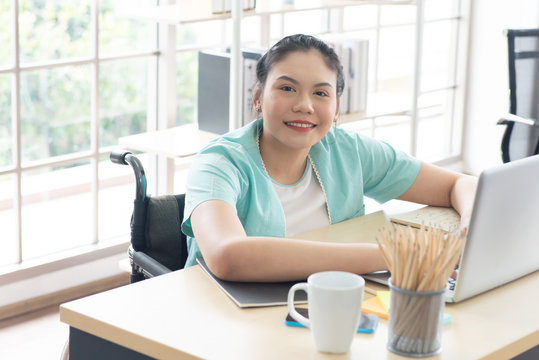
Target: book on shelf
<point>354,55</point>
<point>358,73</point>
<point>214,84</point>
<point>224,6</point>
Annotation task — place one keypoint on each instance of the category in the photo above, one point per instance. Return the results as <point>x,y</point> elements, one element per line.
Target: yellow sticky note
<point>383,296</point>
<point>375,306</point>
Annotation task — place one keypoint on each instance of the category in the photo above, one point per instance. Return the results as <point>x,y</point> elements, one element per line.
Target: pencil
<point>368,290</point>
<point>420,261</point>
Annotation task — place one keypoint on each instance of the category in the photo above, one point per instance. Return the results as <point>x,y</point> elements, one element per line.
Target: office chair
<point>521,136</point>
<point>157,244</point>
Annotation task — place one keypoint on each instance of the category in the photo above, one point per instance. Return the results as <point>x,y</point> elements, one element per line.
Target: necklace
<point>313,167</point>
<point>258,147</point>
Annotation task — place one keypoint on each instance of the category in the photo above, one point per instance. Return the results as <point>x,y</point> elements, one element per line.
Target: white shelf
<point>192,11</point>
<point>381,104</point>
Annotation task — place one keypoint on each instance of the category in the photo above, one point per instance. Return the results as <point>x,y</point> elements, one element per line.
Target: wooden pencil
<point>420,261</point>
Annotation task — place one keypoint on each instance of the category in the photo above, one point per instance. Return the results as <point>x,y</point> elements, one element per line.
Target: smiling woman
<point>286,173</point>
<point>300,92</point>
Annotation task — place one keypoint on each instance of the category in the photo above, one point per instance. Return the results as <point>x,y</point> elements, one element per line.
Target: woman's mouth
<point>300,124</point>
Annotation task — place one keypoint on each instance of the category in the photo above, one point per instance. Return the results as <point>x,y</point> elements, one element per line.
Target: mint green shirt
<point>349,166</point>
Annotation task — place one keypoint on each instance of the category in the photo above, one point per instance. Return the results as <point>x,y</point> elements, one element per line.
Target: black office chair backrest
<point>522,139</point>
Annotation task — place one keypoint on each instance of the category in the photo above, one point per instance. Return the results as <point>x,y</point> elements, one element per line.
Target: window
<point>401,75</point>
<point>74,76</point>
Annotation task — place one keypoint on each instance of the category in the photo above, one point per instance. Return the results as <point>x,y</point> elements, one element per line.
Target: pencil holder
<point>415,322</point>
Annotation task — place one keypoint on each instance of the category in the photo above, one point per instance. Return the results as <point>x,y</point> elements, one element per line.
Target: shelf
<point>191,11</point>
<point>176,142</point>
<point>381,104</point>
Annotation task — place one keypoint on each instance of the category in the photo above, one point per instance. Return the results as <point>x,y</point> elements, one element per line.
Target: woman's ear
<point>337,110</point>
<point>257,101</point>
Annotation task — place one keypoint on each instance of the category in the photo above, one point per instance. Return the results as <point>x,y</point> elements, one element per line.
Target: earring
<point>258,108</point>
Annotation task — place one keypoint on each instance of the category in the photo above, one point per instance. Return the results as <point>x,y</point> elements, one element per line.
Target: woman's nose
<point>303,104</point>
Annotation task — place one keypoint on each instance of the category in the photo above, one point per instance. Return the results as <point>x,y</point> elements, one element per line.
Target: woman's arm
<point>232,255</point>
<point>439,187</point>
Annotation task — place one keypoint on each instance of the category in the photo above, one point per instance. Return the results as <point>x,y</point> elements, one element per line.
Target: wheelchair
<point>157,244</point>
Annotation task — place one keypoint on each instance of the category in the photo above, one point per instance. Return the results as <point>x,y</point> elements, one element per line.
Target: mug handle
<point>292,310</point>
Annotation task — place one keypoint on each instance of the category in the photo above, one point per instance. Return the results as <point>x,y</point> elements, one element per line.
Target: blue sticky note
<point>446,319</point>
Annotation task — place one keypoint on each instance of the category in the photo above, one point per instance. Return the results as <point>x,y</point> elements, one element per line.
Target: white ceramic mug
<point>334,299</point>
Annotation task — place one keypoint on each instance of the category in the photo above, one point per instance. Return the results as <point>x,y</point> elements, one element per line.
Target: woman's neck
<point>283,164</point>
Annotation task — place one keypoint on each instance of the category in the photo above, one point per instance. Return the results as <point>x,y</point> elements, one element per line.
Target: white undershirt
<point>304,204</point>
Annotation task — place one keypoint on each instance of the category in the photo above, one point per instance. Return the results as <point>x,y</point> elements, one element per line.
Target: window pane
<point>6,144</point>
<point>363,127</point>
<point>394,15</point>
<point>395,130</point>
<point>57,209</point>
<point>5,33</point>
<point>250,28</point>
<point>432,138</point>
<point>438,133</point>
<point>54,29</point>
<point>116,194</point>
<point>438,55</point>
<point>437,9</point>
<point>123,98</point>
<point>55,111</point>
<point>305,22</point>
<point>186,87</point>
<point>396,62</point>
<point>358,17</point>
<point>119,34</point>
<point>276,27</point>
<point>206,33</point>
<point>10,244</point>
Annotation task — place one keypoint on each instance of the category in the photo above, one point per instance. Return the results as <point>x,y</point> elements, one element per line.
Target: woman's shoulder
<point>237,146</point>
<point>242,139</point>
<point>344,138</point>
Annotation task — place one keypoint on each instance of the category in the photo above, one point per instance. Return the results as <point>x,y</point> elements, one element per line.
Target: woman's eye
<point>287,88</point>
<point>320,93</point>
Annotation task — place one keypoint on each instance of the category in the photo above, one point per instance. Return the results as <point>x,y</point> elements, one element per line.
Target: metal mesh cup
<point>415,322</point>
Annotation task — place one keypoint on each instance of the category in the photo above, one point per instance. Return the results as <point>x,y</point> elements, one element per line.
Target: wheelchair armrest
<point>150,267</point>
<point>511,118</point>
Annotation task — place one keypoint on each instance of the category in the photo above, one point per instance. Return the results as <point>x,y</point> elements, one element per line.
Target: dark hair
<point>299,42</point>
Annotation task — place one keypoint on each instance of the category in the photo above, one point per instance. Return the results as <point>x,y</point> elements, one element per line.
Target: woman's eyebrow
<point>295,82</point>
<point>288,78</point>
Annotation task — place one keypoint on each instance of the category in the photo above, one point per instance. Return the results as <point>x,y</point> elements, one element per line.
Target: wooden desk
<point>185,315</point>
<point>176,142</point>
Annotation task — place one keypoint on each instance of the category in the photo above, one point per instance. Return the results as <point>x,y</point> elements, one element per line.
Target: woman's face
<point>299,100</point>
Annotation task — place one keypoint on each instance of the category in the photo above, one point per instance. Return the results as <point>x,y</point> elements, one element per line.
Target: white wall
<point>488,94</point>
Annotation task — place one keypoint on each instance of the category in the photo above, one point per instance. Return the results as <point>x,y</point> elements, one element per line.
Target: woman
<point>292,171</point>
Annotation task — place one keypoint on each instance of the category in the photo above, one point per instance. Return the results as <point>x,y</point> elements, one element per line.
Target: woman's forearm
<point>278,259</point>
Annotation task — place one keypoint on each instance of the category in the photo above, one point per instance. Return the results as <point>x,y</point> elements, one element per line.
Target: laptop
<point>503,236</point>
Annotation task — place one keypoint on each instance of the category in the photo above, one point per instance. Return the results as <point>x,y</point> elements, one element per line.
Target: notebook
<point>503,235</point>
<point>255,294</point>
